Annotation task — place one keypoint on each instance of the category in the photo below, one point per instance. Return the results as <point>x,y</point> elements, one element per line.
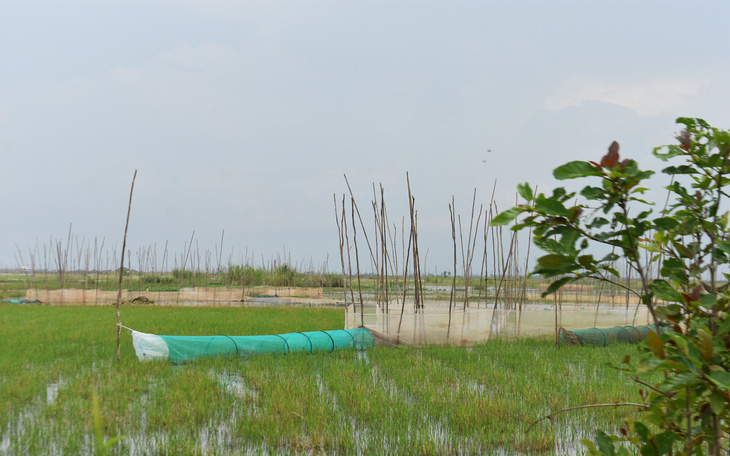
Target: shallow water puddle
<point>52,391</point>
<point>362,355</point>
<point>220,435</point>
<point>234,384</point>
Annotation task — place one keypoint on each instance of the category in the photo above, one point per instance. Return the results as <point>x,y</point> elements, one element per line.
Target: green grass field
<point>388,400</point>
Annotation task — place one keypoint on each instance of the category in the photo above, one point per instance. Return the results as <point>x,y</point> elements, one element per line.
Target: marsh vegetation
<point>405,400</point>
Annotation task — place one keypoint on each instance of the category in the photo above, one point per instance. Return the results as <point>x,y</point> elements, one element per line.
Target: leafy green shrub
<point>687,240</point>
<point>179,274</point>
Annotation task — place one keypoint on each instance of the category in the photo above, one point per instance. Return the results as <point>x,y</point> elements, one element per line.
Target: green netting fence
<point>181,349</point>
<point>601,337</point>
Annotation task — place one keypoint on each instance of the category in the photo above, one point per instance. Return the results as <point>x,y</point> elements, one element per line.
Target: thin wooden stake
<point>121,271</point>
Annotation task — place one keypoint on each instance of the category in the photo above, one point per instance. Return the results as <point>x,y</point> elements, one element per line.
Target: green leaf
<point>576,169</point>
<point>556,262</point>
<point>721,378</point>
<point>555,286</point>
<point>683,169</point>
<point>610,257</point>
<point>665,223</point>
<point>705,343</point>
<point>724,327</point>
<point>693,123</point>
<point>525,191</point>
<point>717,402</point>
<point>590,445</point>
<point>708,300</point>
<point>672,312</point>
<point>674,269</point>
<point>664,442</point>
<point>552,207</point>
<point>672,265</point>
<point>507,216</point>
<point>672,151</point>
<point>605,444</point>
<point>680,381</point>
<point>593,193</point>
<point>568,238</point>
<point>587,261</point>
<point>598,222</point>
<point>723,245</point>
<point>683,250</point>
<point>643,431</point>
<point>664,291</point>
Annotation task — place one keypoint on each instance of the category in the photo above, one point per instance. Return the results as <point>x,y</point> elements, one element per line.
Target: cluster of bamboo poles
<point>395,262</point>
<point>79,262</point>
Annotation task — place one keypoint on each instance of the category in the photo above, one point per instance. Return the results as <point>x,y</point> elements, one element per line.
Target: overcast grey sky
<point>244,116</point>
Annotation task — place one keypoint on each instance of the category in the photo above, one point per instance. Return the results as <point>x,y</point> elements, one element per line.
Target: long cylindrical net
<point>181,349</point>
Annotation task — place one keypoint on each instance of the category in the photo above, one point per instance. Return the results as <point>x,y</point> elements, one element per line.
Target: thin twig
<point>616,404</point>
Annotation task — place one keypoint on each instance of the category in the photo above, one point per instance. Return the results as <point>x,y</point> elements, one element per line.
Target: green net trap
<point>181,349</point>
<point>601,337</point>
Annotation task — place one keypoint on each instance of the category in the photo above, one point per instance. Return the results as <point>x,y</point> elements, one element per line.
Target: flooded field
<point>392,400</point>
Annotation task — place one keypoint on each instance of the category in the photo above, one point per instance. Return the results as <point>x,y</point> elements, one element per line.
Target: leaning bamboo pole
<point>503,274</point>
<point>341,244</point>
<point>356,209</point>
<point>348,249</point>
<point>406,255</point>
<point>385,257</point>
<point>357,264</point>
<point>121,271</point>
<point>417,289</point>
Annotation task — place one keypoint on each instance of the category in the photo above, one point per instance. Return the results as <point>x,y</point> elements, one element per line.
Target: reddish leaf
<point>611,158</point>
<point>696,293</point>
<point>655,344</point>
<point>685,140</point>
<point>613,148</point>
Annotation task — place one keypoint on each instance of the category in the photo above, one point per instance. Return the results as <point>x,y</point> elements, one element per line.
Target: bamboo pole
<point>121,271</point>
<point>349,255</point>
<point>341,244</point>
<point>417,290</point>
<point>357,262</point>
<point>453,279</point>
<point>406,254</point>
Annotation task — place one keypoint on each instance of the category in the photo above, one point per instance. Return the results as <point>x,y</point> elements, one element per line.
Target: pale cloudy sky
<point>244,116</point>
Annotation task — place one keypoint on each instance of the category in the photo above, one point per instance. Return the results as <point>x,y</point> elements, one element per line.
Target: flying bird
<point>485,160</point>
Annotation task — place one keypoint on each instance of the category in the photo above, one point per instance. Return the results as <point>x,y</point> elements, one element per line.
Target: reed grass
<point>407,400</point>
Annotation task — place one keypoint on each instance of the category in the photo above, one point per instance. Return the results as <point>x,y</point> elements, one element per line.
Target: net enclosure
<point>436,323</point>
<point>602,337</point>
<point>181,349</point>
